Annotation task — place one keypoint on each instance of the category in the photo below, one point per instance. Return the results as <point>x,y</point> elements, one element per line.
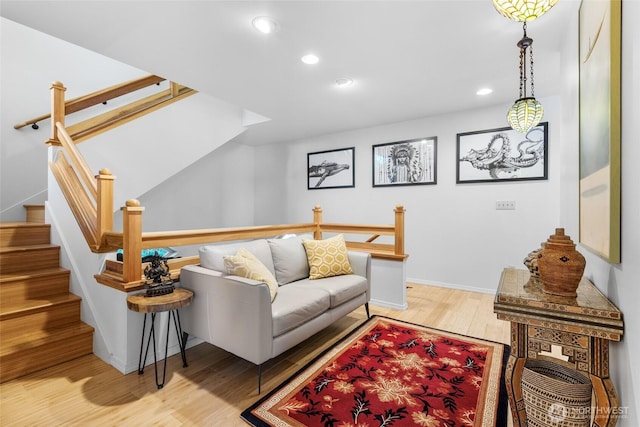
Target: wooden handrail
<point>82,168</point>
<point>81,204</point>
<point>110,119</point>
<point>99,97</point>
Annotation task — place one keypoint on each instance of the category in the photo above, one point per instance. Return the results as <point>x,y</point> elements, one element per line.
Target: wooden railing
<point>128,274</point>
<point>61,108</point>
<point>91,198</point>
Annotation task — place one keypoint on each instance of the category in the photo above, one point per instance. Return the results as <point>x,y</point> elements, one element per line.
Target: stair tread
<point>11,309</point>
<point>12,224</point>
<point>26,248</point>
<point>33,339</point>
<point>21,275</point>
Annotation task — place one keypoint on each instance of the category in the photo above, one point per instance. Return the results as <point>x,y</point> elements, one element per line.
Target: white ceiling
<point>409,59</point>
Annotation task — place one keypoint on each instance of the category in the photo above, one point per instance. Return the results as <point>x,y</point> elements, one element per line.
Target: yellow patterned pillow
<point>327,257</point>
<point>245,264</point>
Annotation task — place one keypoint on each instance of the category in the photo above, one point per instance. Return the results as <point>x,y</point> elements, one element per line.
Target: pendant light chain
<point>523,78</point>
<point>533,95</point>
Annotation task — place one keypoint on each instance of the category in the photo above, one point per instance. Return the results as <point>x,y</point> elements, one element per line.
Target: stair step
<point>28,258</point>
<point>24,234</point>
<point>36,315</point>
<point>22,286</point>
<point>43,349</point>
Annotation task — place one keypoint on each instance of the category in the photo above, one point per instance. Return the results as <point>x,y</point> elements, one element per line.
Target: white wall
<point>450,228</point>
<point>27,70</point>
<point>220,193</point>
<point>619,282</point>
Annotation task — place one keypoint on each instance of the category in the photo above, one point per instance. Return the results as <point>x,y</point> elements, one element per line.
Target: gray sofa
<point>237,314</point>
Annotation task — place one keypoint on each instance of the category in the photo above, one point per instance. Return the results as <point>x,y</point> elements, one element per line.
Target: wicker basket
<point>555,395</point>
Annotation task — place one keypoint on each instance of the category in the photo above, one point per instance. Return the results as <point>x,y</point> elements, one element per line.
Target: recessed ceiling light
<point>310,59</point>
<point>265,24</point>
<point>344,82</point>
<point>484,91</point>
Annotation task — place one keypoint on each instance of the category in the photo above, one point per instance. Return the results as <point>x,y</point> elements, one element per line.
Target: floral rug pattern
<point>393,373</point>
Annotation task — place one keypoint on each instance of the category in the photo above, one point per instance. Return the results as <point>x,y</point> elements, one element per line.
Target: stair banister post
<point>132,241</point>
<point>57,110</point>
<point>399,229</point>
<point>104,202</point>
<point>317,220</point>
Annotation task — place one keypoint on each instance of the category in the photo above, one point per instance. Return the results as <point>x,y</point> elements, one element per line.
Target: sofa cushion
<point>245,264</point>
<point>327,257</point>
<point>211,255</point>
<point>340,288</point>
<point>289,259</point>
<point>297,305</point>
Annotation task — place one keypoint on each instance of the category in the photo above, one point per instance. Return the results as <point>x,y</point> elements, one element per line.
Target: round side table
<point>152,305</point>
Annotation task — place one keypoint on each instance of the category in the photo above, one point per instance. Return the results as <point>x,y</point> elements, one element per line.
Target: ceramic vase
<point>561,266</point>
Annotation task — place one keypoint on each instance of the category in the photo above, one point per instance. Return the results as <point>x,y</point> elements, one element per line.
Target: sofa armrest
<point>230,312</point>
<point>361,265</point>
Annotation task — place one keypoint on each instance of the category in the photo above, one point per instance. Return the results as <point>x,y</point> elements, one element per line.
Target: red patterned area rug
<point>392,373</point>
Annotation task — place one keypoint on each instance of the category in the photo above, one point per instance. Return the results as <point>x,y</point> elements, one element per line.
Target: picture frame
<point>331,169</point>
<point>599,121</point>
<point>502,154</point>
<point>410,162</point>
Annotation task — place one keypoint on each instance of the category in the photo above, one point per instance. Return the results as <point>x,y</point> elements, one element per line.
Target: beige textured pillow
<point>245,264</point>
<point>327,257</point>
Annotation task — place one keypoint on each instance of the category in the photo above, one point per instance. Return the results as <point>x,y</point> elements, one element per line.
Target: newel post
<point>104,201</point>
<point>57,110</point>
<point>399,227</point>
<point>317,220</point>
<point>132,240</point>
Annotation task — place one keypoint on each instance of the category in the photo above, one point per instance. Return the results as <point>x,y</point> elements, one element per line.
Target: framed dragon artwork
<point>331,169</point>
<point>502,154</point>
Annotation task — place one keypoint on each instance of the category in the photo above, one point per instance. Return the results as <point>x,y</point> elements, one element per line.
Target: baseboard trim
<point>452,286</point>
<point>388,305</point>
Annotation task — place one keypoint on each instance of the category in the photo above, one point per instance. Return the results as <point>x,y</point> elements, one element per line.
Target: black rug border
<point>501,416</point>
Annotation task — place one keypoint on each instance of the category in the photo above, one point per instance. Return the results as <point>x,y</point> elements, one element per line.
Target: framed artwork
<point>331,169</point>
<point>502,154</point>
<point>411,162</point>
<point>600,38</point>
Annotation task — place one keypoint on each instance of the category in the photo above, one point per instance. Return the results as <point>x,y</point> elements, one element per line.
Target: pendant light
<point>523,10</point>
<point>526,112</point>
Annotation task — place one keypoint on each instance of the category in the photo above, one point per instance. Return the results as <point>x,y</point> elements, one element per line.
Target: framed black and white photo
<point>411,162</point>
<point>331,169</point>
<point>502,154</point>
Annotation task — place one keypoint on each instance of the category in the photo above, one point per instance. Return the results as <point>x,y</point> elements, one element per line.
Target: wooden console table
<point>581,326</point>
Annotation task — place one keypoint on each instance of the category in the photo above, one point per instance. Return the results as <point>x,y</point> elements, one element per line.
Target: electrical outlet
<point>505,205</point>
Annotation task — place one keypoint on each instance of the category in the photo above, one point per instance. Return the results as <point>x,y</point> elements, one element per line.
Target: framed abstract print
<point>600,38</point>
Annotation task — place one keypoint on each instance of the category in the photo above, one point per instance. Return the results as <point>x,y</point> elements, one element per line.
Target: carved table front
<point>581,326</point>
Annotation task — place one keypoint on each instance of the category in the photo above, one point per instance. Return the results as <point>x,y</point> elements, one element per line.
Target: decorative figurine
<point>158,277</point>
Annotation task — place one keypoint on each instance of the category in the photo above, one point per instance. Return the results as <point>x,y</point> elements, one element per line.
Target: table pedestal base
<point>173,314</point>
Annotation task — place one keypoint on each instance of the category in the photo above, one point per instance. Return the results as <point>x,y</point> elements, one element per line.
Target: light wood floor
<point>216,386</point>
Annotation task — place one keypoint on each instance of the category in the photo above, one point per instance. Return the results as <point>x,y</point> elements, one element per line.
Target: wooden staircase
<point>40,322</point>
